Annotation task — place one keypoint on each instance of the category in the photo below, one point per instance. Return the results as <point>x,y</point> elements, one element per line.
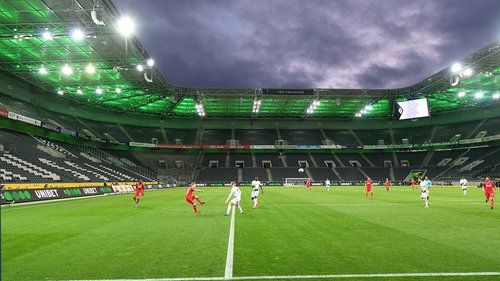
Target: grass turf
<point>294,232</point>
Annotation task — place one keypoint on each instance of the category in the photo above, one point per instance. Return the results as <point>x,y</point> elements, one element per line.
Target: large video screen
<point>412,109</point>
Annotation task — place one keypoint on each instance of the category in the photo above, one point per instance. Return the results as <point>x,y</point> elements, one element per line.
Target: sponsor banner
<point>263,147</point>
<point>331,146</point>
<point>178,146</point>
<point>225,146</point>
<point>50,127</point>
<point>68,132</point>
<point>120,188</point>
<point>307,147</point>
<point>492,138</point>
<point>24,119</point>
<point>445,143</point>
<point>374,146</point>
<point>26,195</point>
<point>4,113</point>
<point>288,92</point>
<point>470,141</point>
<point>141,144</point>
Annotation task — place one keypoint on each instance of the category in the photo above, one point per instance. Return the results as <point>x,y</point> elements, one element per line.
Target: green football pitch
<point>293,235</point>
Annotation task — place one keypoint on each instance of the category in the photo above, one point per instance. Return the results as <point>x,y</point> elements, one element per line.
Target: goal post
<point>295,181</point>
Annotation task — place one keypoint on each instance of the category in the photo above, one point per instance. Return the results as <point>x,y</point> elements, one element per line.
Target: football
<point>301,170</point>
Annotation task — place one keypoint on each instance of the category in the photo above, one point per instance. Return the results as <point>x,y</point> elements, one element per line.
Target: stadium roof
<point>37,41</point>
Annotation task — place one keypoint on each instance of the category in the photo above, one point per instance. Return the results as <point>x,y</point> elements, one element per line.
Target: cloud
<point>310,44</point>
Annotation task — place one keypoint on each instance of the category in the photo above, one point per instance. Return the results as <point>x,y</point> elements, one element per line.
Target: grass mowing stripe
<point>326,276</point>
<point>228,273</point>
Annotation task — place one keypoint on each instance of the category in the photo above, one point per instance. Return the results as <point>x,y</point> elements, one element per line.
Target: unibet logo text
<point>49,193</point>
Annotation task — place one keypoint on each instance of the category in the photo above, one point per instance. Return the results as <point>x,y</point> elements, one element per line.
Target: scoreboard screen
<point>412,109</point>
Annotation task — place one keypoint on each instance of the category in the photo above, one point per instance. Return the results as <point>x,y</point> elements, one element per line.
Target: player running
<point>489,193</point>
<point>308,184</point>
<point>464,183</point>
<point>236,193</point>
<point>255,192</point>
<point>425,192</point>
<point>190,197</point>
<point>369,187</point>
<point>327,184</point>
<point>139,191</point>
<point>387,184</point>
<point>412,183</point>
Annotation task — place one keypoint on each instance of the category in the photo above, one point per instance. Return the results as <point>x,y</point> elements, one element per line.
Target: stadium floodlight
<point>90,69</point>
<point>200,109</point>
<point>467,72</point>
<point>47,35</point>
<point>256,106</point>
<point>478,95</point>
<point>118,90</point>
<point>368,107</point>
<point>67,70</point>
<point>98,91</point>
<point>461,94</point>
<point>60,92</point>
<point>125,26</point>
<point>150,62</point>
<point>496,96</point>
<point>77,34</point>
<point>140,68</point>
<point>456,67</point>
<point>43,70</point>
<point>79,91</point>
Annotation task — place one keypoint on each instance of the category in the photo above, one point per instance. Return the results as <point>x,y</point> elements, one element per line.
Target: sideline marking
<point>288,277</point>
<point>228,273</point>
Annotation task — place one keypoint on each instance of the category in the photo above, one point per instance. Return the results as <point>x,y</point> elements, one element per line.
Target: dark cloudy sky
<point>310,43</point>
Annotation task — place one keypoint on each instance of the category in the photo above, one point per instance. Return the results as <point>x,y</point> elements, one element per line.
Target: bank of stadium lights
<point>125,26</point>
<point>200,109</point>
<point>256,106</point>
<point>367,108</point>
<point>140,68</point>
<point>60,92</point>
<point>458,72</point>
<point>99,91</point>
<point>90,69</point>
<point>42,70</point>
<point>312,107</point>
<point>67,70</point>
<point>77,34</point>
<point>461,94</point>
<point>79,91</point>
<point>478,95</point>
<point>118,90</point>
<point>496,96</point>
<point>46,35</point>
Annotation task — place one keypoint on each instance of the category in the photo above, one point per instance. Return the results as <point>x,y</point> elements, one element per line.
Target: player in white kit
<point>236,194</point>
<point>425,192</point>
<point>464,183</point>
<point>327,184</point>
<point>256,185</point>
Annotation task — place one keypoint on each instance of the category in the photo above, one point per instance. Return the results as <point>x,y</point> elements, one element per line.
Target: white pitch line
<point>228,273</point>
<point>328,276</point>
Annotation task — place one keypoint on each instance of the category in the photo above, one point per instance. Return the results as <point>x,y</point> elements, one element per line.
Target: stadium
<point>86,116</point>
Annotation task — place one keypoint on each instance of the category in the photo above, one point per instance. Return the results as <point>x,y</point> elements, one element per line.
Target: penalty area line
<point>328,276</point>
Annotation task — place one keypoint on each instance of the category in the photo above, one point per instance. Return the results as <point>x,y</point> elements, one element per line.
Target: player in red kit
<point>413,183</point>
<point>369,187</point>
<point>387,184</point>
<point>308,184</point>
<point>489,193</point>
<point>139,191</point>
<point>190,197</point>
